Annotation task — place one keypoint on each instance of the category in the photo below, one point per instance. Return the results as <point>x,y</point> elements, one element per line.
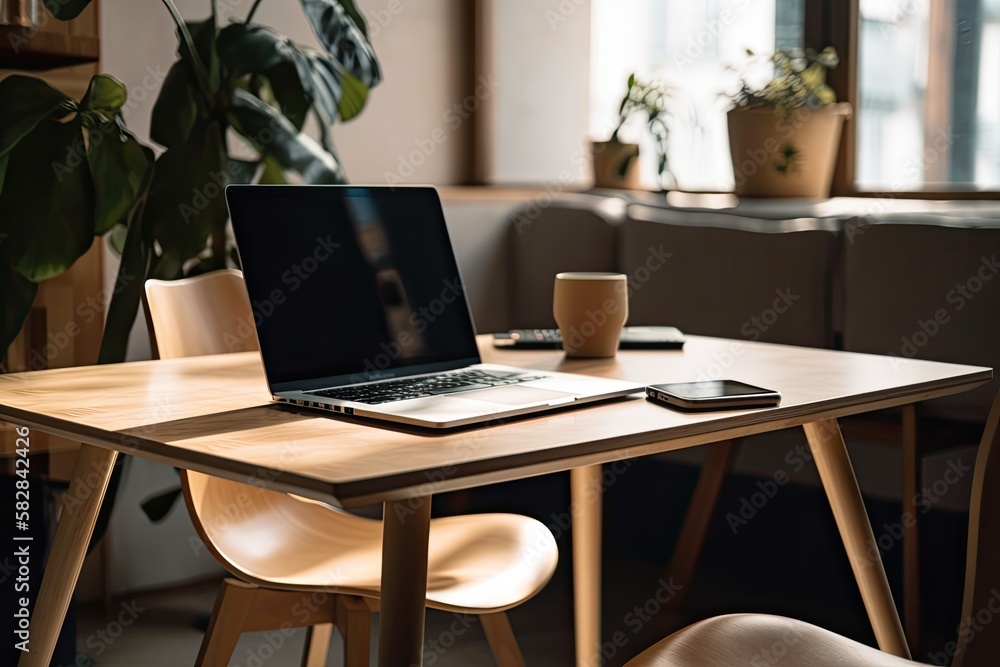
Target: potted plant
<point>783,138</point>
<point>71,170</point>
<point>616,163</point>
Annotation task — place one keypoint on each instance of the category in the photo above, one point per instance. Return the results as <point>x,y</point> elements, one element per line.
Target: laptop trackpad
<point>515,395</point>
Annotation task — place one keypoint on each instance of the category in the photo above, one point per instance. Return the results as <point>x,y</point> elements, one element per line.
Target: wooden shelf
<point>53,44</point>
<point>45,50</point>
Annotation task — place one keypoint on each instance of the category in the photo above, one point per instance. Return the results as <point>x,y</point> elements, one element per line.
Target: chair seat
<point>477,564</point>
<point>760,639</point>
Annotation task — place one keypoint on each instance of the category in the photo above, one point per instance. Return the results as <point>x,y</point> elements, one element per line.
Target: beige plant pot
<point>616,165</point>
<point>20,12</point>
<point>775,156</point>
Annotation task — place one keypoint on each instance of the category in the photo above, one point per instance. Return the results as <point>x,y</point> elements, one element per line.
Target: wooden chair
<point>301,563</point>
<point>757,638</point>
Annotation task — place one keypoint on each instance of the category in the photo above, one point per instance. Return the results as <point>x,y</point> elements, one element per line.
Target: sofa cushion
<point>568,233</point>
<point>730,276</point>
<point>927,288</point>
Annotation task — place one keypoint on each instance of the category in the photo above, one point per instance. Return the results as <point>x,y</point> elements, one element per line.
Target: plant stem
<point>253,10</point>
<point>199,67</point>
<point>219,246</point>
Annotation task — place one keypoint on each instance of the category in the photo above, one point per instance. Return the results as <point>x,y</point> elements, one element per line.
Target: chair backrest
<point>211,314</point>
<point>979,634</point>
<point>207,314</point>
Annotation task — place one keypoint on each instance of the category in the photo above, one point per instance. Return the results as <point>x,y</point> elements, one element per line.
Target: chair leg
<point>232,607</point>
<point>501,639</point>
<point>718,457</point>
<point>354,620</point>
<point>241,607</point>
<point>317,645</point>
<point>911,541</point>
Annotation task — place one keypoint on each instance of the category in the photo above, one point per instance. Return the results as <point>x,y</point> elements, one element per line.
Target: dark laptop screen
<point>350,283</point>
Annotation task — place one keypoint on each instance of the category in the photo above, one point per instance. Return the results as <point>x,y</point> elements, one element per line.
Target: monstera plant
<point>231,110</point>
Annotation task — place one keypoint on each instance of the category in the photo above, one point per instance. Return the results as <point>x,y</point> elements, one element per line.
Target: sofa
<point>846,275</point>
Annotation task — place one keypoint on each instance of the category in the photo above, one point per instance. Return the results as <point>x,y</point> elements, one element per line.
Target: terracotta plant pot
<point>616,165</point>
<point>777,156</point>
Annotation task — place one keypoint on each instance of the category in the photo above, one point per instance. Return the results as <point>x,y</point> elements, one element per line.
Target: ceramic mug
<point>590,309</point>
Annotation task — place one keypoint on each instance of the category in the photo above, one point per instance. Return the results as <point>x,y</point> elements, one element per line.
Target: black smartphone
<point>712,395</point>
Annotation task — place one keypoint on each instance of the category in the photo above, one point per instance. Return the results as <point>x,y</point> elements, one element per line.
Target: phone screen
<point>710,389</point>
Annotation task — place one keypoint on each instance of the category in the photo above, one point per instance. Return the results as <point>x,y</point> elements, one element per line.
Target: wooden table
<point>213,415</point>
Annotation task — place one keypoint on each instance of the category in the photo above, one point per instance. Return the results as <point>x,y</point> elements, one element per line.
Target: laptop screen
<point>350,284</point>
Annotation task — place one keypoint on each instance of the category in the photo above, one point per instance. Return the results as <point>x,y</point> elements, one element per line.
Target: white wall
<point>539,53</point>
<point>420,50</point>
<point>419,46</point>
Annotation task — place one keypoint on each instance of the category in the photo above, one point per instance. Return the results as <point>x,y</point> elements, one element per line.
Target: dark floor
<point>786,559</point>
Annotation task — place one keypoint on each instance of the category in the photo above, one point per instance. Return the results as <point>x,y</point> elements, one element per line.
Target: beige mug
<point>590,309</point>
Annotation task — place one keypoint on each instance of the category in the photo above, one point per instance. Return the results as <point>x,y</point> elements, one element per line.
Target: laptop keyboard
<point>428,385</point>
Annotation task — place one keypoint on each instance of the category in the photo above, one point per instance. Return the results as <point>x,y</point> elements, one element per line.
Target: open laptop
<point>360,309</point>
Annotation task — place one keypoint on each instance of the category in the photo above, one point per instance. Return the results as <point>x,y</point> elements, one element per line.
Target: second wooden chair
<point>300,563</point>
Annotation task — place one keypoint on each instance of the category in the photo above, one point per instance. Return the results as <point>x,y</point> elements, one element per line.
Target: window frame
<point>835,23</point>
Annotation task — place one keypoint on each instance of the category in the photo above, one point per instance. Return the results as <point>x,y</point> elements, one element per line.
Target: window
<point>928,95</point>
<point>926,101</point>
<point>698,49</point>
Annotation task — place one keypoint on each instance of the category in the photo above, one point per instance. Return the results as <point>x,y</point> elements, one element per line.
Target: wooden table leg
<point>405,530</point>
<point>587,494</point>
<point>841,485</point>
<point>691,539</point>
<point>76,525</point>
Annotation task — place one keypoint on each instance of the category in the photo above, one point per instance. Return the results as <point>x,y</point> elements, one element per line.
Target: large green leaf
<point>64,10</point>
<point>119,166</point>
<point>137,255</point>
<point>16,296</point>
<point>338,26</point>
<point>176,109</point>
<point>337,82</point>
<point>183,100</point>
<point>197,50</point>
<point>167,267</point>
<point>291,96</point>
<point>105,93</point>
<point>272,174</point>
<point>356,16</point>
<point>353,99</point>
<point>117,237</point>
<point>186,200</point>
<point>25,102</point>
<point>47,203</point>
<point>251,48</point>
<point>203,35</point>
<point>277,138</point>
<point>241,171</point>
<point>158,506</point>
<point>298,77</point>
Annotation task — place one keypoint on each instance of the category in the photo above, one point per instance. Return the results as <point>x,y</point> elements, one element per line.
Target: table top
<point>214,414</point>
